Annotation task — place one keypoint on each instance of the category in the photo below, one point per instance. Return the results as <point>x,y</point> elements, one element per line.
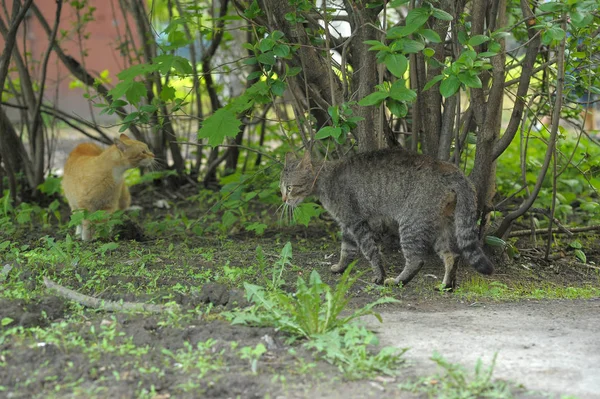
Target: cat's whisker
<point>280,214</point>
<point>293,215</point>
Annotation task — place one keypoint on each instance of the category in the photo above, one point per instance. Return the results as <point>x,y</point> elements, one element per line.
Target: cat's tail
<point>465,220</point>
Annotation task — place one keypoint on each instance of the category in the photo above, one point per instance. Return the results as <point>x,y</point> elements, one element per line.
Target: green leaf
<point>306,211</point>
<point>428,52</point>
<point>277,35</point>
<point>441,14</point>
<point>554,33</point>
<point>281,50</point>
<point>397,3</point>
<point>266,44</point>
<point>167,93</point>
<point>334,112</point>
<point>412,46</point>
<point>254,75</point>
<point>375,98</point>
<point>494,241</point>
<point>136,91</point>
<point>278,87</point>
<point>396,64</point>
<point>552,6</point>
<point>415,19</point>
<point>182,65</point>
<point>6,321</point>
<point>470,79</point>
<point>579,254</point>
<point>430,35</point>
<point>400,92</point>
<point>576,244</point>
<point>398,109</point>
<point>134,71</point>
<point>376,45</point>
<point>293,71</point>
<point>328,131</point>
<point>449,86</point>
<point>257,227</point>
<point>130,117</point>
<point>433,81</point>
<point>267,58</point>
<point>149,108</point>
<point>478,39</point>
<point>219,125</point>
<point>580,20</point>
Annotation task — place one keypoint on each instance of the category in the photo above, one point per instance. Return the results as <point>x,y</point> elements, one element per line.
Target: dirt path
<point>551,346</point>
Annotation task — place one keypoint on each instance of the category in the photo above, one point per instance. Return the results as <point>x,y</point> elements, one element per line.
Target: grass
<point>456,383</point>
<point>478,288</point>
<point>95,352</point>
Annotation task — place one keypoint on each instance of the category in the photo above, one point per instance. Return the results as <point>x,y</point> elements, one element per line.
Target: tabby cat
<point>93,178</point>
<point>432,203</point>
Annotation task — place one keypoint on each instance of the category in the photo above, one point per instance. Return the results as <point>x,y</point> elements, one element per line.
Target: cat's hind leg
<point>86,230</point>
<point>451,265</point>
<point>414,247</point>
<point>348,253</point>
<point>446,248</point>
<point>364,238</point>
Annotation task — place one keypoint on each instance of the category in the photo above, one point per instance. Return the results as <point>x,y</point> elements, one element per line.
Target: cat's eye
<point>288,188</point>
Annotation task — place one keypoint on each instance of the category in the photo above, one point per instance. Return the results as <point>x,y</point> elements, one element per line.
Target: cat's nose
<point>284,197</point>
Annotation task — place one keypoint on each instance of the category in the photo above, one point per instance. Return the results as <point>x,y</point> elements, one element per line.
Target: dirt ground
<point>53,348</point>
<point>547,348</point>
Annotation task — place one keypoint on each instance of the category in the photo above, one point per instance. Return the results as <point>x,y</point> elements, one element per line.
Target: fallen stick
<point>111,306</point>
<point>587,265</point>
<point>521,233</point>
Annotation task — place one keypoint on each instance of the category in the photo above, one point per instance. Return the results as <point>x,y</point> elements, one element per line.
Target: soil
<point>546,348</point>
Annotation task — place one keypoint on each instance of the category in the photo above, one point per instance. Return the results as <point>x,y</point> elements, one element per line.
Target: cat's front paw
<point>378,279</point>
<point>338,268</point>
<point>390,281</point>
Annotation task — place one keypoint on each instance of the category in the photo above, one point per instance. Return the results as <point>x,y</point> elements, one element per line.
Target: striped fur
<point>431,202</point>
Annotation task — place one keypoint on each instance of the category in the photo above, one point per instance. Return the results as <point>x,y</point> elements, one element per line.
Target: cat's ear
<point>124,137</point>
<point>306,158</point>
<point>120,145</point>
<point>290,157</point>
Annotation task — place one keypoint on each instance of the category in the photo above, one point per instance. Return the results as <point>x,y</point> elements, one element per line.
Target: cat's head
<point>135,152</point>
<point>297,179</point>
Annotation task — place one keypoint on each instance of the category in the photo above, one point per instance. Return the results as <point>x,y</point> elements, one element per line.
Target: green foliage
<point>103,222</point>
<point>253,355</point>
<point>315,308</point>
<point>349,349</point>
<point>223,123</point>
<point>478,288</point>
<point>578,185</point>
<point>455,382</point>
<point>314,312</point>
<point>342,120</point>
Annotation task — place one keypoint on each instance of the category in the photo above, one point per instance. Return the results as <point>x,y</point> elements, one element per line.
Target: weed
<point>479,288</point>
<point>315,308</point>
<point>455,382</point>
<point>253,354</point>
<point>349,348</point>
<point>314,312</point>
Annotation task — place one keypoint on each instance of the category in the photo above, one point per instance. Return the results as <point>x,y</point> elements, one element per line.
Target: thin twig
<point>586,265</point>
<point>522,233</point>
<point>111,306</point>
<point>233,145</point>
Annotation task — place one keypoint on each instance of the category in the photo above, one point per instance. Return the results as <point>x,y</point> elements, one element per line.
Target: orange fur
<point>93,178</point>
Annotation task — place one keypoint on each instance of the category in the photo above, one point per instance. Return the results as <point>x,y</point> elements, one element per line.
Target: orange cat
<point>93,178</point>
